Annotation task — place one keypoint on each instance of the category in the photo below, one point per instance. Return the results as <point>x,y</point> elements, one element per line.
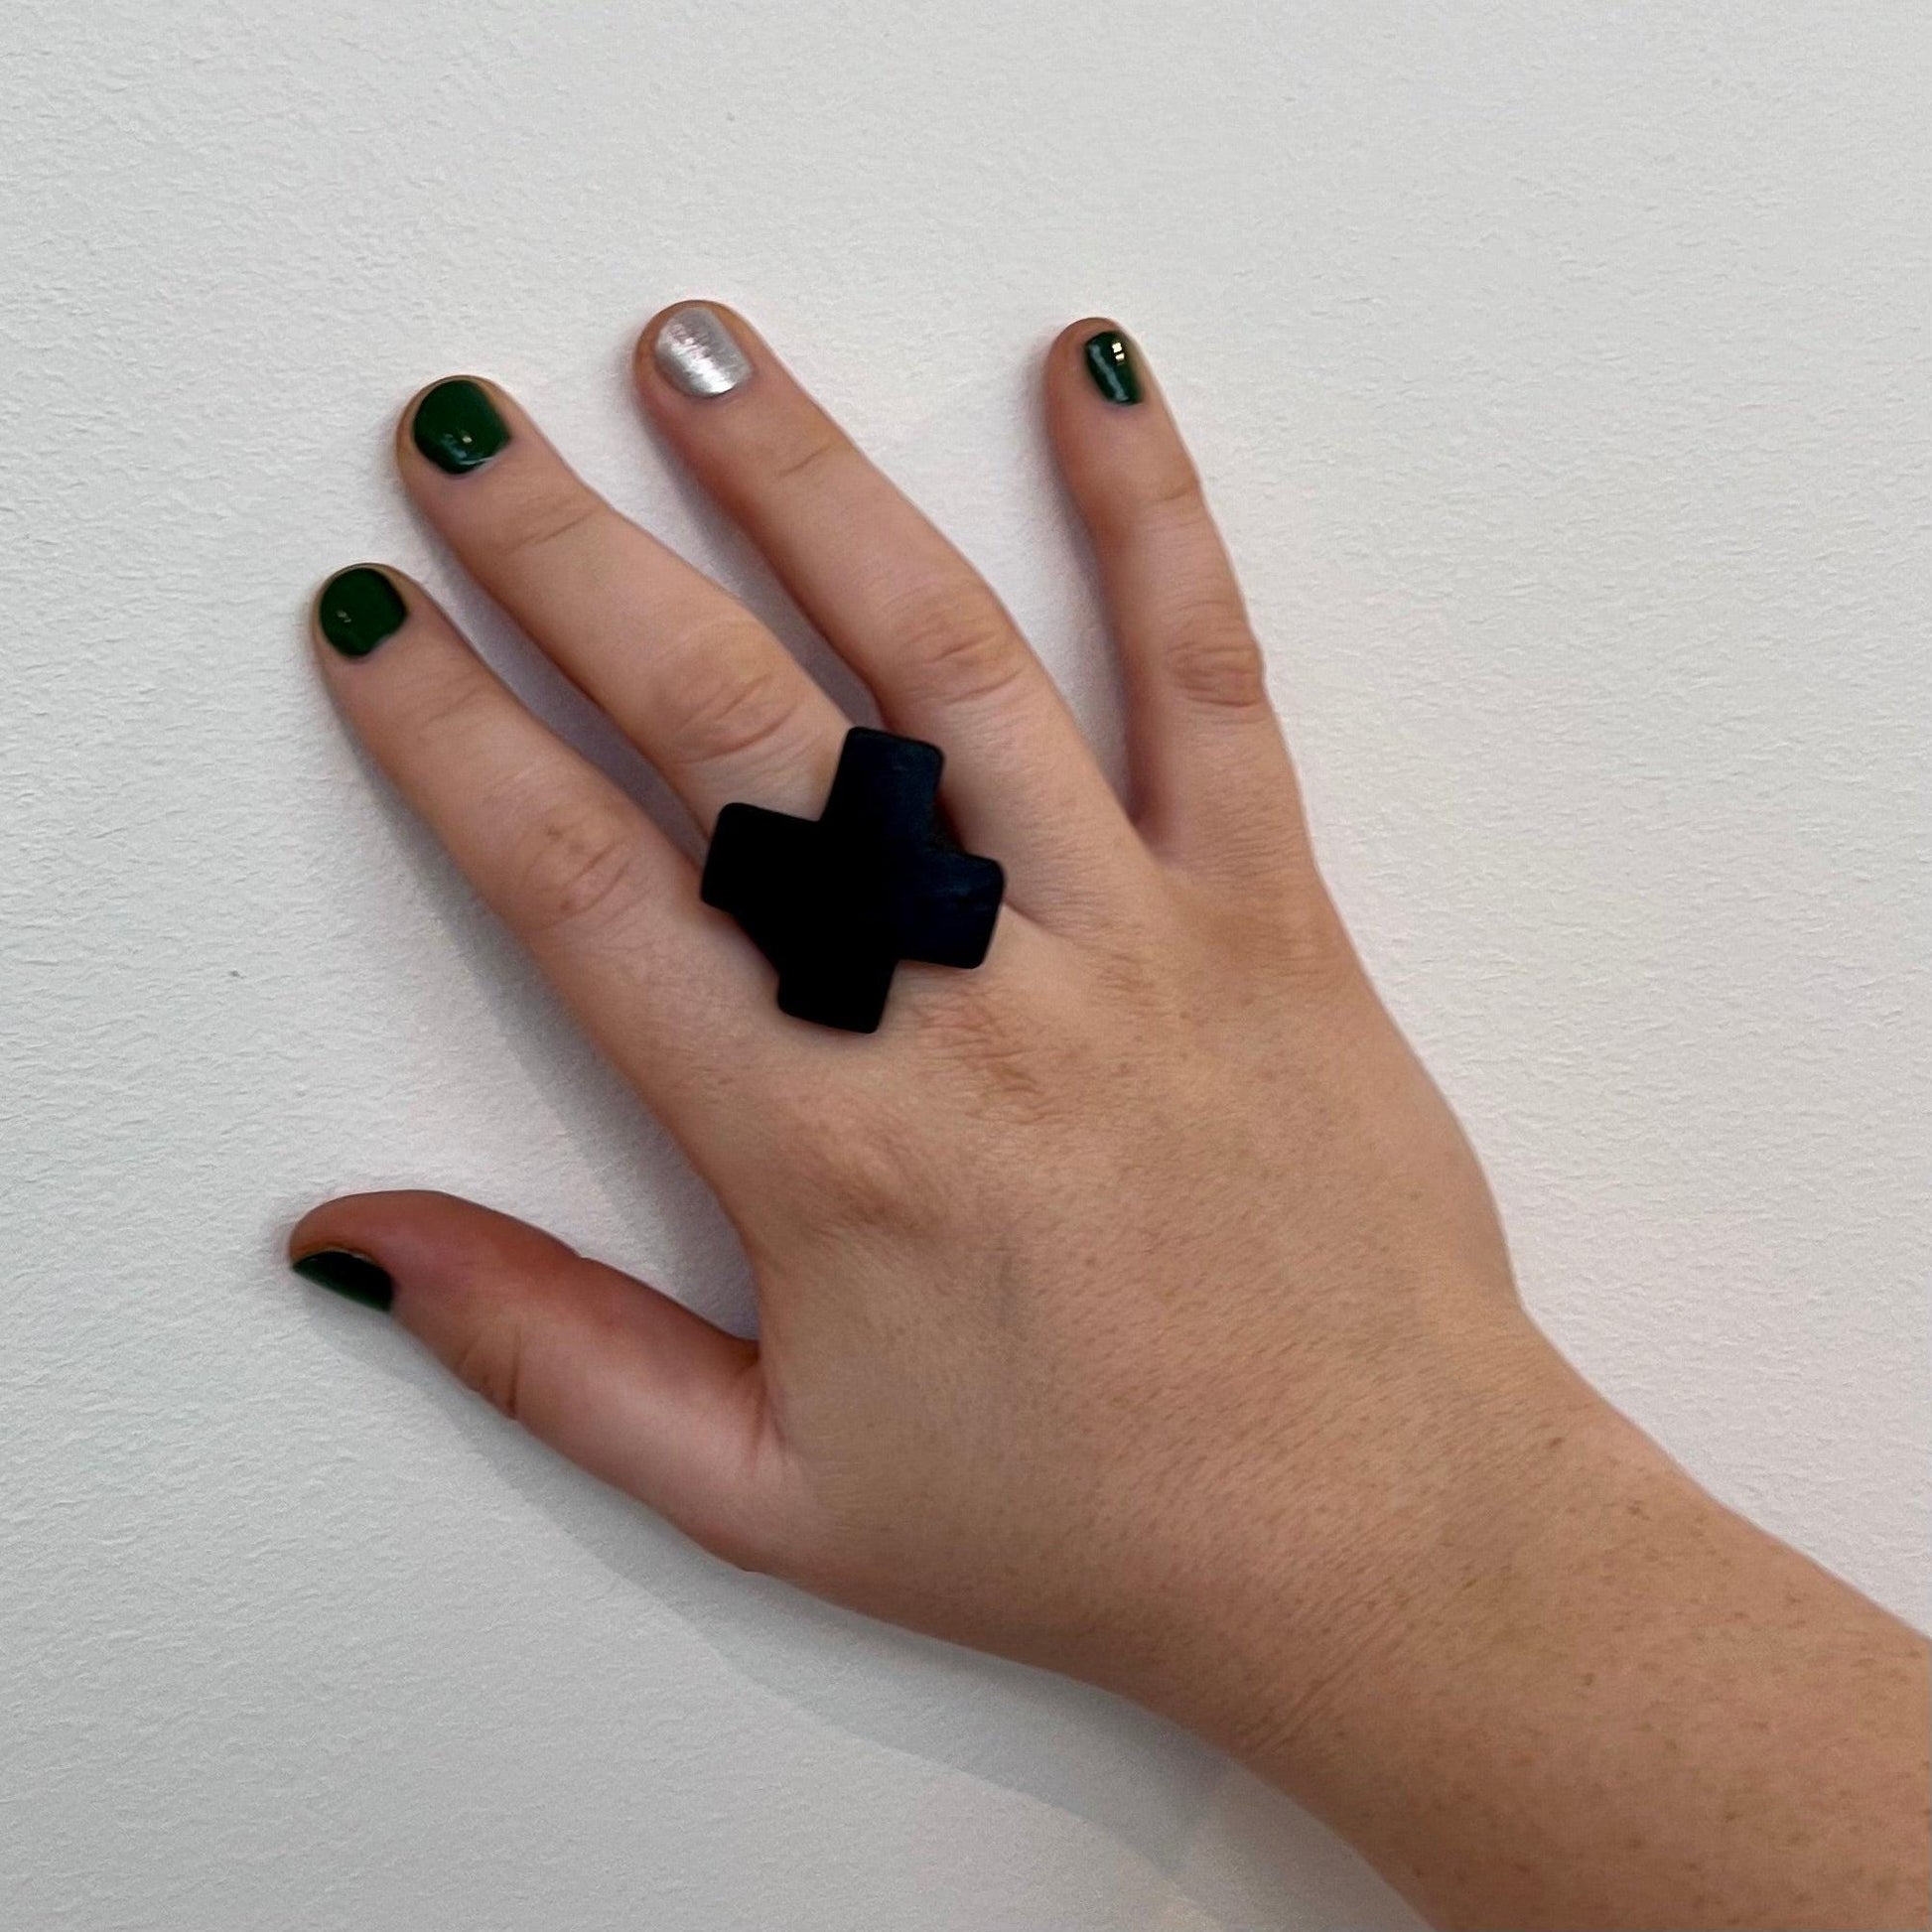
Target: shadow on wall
<point>1224,1842</point>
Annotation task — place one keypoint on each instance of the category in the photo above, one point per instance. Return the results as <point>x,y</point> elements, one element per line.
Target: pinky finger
<point>1213,787</point>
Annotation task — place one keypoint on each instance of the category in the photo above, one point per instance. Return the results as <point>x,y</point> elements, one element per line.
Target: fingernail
<point>1111,365</point>
<point>355,1277</point>
<point>697,353</point>
<point>358,609</point>
<point>458,428</point>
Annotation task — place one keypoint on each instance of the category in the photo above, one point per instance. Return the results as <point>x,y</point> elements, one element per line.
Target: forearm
<point>1589,1695</point>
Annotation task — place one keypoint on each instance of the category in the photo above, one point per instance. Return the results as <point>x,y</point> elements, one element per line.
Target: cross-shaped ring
<point>835,902</point>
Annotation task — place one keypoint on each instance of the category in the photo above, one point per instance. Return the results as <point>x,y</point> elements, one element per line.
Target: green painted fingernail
<point>1111,365</point>
<point>355,1277</point>
<point>458,428</point>
<point>358,609</point>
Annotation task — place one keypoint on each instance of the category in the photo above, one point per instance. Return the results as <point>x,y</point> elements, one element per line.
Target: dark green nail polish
<point>458,428</point>
<point>356,1277</point>
<point>1111,365</point>
<point>358,609</point>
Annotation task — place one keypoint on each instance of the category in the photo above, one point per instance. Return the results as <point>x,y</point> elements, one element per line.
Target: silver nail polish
<point>697,354</point>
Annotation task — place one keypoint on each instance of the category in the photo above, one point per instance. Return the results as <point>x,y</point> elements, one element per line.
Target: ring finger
<point>898,602</point>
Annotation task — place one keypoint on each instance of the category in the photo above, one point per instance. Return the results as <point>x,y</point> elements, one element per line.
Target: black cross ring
<point>835,902</point>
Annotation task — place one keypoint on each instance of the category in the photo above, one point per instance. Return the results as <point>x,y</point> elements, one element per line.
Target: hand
<point>1148,1227</point>
<point>1130,1305</point>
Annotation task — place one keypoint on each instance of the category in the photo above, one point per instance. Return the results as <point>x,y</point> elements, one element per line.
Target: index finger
<point>604,900</point>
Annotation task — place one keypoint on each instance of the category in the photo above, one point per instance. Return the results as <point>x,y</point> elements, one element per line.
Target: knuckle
<point>579,864</point>
<point>1312,945</point>
<point>1171,493</point>
<point>956,642</point>
<point>454,706</point>
<point>542,518</point>
<point>1290,937</point>
<point>491,1361</point>
<point>733,694</point>
<point>1166,496</point>
<point>1212,658</point>
<point>808,458</point>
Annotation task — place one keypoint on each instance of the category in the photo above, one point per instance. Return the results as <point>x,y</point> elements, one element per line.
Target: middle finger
<point>702,689</point>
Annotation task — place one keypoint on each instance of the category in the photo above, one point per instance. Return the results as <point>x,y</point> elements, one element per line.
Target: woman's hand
<point>1132,1304</point>
<point>1149,1230</point>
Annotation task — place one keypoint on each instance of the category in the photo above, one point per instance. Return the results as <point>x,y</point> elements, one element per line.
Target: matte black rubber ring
<point>835,902</point>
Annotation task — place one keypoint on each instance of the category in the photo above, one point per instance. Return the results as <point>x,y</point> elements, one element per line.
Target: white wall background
<point>1561,370</point>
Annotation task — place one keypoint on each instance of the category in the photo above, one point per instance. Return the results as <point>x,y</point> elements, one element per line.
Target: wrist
<point>1555,1682</point>
<point>1319,1582</point>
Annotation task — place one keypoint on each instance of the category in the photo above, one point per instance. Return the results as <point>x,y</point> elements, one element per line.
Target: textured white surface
<point>1560,373</point>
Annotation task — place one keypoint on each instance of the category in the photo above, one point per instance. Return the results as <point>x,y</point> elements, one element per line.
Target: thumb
<point>621,1379</point>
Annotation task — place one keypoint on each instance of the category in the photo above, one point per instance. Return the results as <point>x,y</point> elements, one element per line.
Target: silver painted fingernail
<point>697,353</point>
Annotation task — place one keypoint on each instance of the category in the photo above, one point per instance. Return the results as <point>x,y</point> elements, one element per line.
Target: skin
<point>1133,1306</point>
